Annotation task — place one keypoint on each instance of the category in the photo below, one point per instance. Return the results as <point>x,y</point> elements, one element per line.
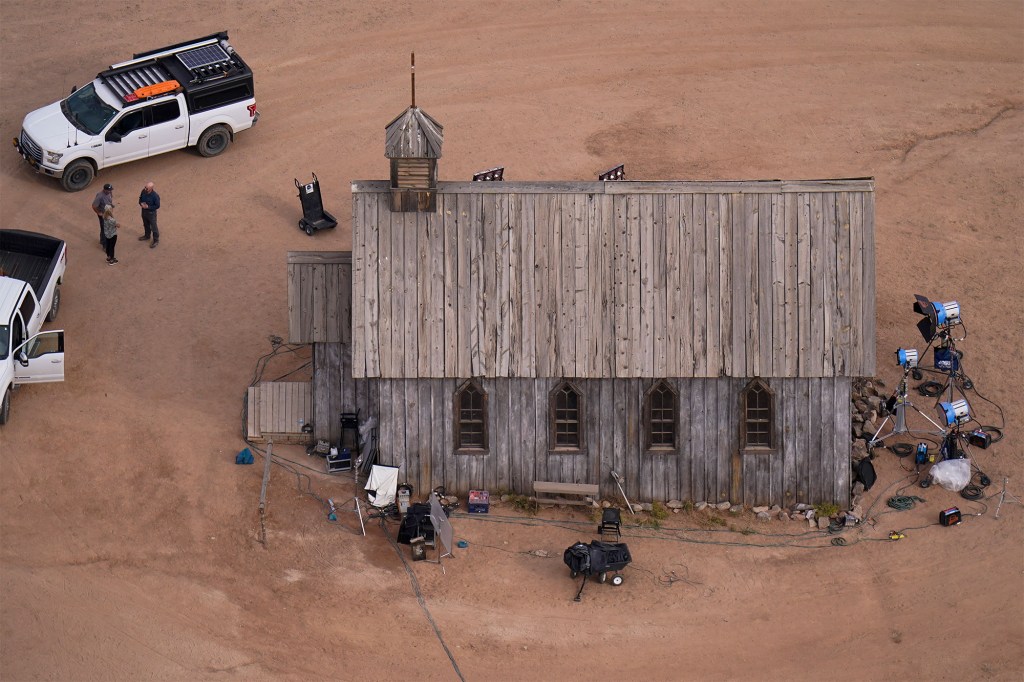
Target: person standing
<point>149,201</point>
<point>105,197</point>
<point>110,232</point>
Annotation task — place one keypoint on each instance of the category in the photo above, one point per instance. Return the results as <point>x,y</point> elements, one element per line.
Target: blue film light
<point>906,357</point>
<point>946,313</point>
<point>956,412</point>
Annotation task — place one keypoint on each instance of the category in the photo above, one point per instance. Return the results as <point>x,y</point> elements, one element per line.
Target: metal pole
<point>263,492</point>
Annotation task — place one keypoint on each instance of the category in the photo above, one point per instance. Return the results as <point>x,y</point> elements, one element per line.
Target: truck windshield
<point>87,111</point>
<point>5,338</point>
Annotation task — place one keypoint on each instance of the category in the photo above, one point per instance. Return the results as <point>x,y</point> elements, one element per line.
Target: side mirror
<point>23,358</point>
<point>74,88</point>
<point>113,137</point>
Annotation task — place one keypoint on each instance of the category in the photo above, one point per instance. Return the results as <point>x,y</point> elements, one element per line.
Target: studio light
<point>954,413</point>
<point>489,175</point>
<point>612,174</point>
<point>906,358</point>
<point>937,316</point>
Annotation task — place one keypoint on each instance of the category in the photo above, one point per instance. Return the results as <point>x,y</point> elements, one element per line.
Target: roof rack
<point>169,69</point>
<point>125,83</point>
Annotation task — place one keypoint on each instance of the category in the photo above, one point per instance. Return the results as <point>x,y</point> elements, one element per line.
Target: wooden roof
<point>616,279</point>
<point>413,135</point>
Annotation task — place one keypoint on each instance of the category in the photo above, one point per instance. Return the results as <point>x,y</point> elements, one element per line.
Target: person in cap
<point>149,202</point>
<point>105,197</point>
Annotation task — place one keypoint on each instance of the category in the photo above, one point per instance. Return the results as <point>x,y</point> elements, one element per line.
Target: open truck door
<point>40,359</point>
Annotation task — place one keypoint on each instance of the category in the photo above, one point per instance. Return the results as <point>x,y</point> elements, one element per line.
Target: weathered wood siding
<point>319,297</point>
<point>619,279</point>
<point>810,462</point>
<point>335,392</point>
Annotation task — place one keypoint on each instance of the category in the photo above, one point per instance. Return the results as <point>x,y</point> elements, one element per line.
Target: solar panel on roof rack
<point>203,56</point>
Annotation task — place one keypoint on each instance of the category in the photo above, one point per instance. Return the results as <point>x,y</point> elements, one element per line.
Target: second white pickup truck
<point>193,94</point>
<point>31,271</point>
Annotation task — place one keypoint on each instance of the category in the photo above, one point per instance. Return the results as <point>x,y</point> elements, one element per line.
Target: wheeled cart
<point>598,559</point>
<point>314,217</point>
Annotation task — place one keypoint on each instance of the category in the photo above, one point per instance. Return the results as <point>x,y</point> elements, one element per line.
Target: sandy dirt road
<point>127,534</point>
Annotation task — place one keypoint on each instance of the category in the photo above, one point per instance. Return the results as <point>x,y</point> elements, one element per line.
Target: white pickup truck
<point>193,94</point>
<point>31,272</point>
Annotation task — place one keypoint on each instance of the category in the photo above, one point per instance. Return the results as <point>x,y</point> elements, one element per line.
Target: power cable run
<point>421,600</point>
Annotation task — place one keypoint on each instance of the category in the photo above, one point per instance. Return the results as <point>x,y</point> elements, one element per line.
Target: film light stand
<point>1006,496</point>
<point>898,414</point>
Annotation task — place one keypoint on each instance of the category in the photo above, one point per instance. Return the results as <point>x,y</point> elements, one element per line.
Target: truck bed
<point>29,256</point>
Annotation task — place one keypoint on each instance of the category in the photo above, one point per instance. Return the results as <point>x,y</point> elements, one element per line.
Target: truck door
<point>127,139</point>
<point>40,359</point>
<point>169,126</point>
<point>30,312</point>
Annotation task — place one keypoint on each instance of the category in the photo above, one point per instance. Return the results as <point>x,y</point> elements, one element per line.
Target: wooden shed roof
<point>616,279</point>
<point>413,135</point>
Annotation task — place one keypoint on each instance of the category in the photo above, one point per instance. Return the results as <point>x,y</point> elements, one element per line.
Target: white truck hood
<point>50,129</point>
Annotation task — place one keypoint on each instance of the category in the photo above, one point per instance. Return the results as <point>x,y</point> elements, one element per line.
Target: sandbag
<point>865,472</point>
<point>952,474</point>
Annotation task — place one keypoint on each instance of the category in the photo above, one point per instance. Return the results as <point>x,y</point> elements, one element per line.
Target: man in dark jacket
<point>149,201</point>
<point>104,198</point>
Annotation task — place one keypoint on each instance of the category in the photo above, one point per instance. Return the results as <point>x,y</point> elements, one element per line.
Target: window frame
<point>470,384</point>
<point>762,386</point>
<point>128,113</point>
<point>581,440</point>
<point>166,104</point>
<point>649,445</point>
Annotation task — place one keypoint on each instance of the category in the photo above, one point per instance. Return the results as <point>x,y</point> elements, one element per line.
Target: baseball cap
<point>108,186</point>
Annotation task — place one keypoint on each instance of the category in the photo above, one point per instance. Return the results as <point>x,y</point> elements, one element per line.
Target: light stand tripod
<point>897,412</point>
<point>1006,494</point>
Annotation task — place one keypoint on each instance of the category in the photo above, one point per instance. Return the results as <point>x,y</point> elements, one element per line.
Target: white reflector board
<point>442,526</point>
<point>382,485</point>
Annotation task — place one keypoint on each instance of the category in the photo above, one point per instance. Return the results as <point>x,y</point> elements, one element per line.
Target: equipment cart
<point>314,217</point>
<point>597,559</point>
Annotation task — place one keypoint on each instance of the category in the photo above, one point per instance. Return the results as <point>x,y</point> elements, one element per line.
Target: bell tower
<point>413,143</point>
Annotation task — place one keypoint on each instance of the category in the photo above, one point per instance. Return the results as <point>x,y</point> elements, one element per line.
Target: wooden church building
<point>697,338</point>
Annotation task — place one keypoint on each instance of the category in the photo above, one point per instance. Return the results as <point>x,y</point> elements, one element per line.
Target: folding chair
<point>611,521</point>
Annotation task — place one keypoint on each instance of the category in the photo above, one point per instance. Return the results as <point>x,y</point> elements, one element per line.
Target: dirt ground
<point>128,535</point>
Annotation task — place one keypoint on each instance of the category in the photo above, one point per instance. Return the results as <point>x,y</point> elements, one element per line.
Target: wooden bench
<point>548,489</point>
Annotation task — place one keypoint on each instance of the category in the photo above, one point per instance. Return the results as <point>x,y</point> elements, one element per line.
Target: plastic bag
<point>952,474</point>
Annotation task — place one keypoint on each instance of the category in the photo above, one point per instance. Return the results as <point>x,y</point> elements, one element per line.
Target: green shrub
<point>659,511</point>
<point>712,520</point>
<point>523,503</point>
<point>826,510</point>
<point>649,522</point>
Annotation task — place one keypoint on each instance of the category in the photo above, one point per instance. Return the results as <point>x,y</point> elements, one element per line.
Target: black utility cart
<point>314,217</point>
<point>597,559</point>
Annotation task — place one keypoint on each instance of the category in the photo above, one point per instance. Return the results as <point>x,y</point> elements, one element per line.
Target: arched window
<point>758,416</point>
<point>566,418</point>
<point>660,417</point>
<point>470,417</point>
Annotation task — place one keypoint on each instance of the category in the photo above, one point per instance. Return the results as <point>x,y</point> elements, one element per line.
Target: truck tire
<point>51,314</point>
<point>214,140</point>
<point>77,175</point>
<point>5,407</point>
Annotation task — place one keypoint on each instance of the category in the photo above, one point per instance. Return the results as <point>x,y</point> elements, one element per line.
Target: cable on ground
<point>421,600</point>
